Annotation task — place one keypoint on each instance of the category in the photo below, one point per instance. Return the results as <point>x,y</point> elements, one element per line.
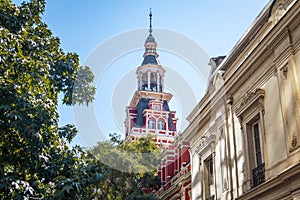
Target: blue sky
<point>216,25</point>
<point>82,26</point>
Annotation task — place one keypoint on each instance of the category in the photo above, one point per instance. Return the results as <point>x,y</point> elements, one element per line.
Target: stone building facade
<point>244,134</point>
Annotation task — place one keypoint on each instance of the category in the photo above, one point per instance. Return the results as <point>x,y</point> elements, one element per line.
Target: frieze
<point>249,98</point>
<point>204,142</point>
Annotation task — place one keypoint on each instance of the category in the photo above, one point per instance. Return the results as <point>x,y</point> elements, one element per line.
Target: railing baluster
<point>258,175</point>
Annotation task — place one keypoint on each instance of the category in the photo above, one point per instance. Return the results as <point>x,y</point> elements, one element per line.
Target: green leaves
<point>36,161</point>
<point>83,92</point>
<point>128,167</point>
<point>34,70</point>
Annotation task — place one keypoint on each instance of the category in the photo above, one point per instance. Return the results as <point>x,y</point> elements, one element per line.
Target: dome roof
<point>150,59</point>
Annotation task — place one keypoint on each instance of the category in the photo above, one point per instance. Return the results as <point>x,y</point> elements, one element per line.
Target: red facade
<point>149,113</point>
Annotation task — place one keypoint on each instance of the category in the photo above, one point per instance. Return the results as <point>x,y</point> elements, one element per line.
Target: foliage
<point>130,168</point>
<point>35,159</point>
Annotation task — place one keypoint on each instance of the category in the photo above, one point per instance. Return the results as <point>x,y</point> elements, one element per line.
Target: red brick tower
<point>148,112</point>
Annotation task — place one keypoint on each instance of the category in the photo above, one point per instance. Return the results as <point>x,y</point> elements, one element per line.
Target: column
<point>158,80</point>
<point>162,83</point>
<point>140,81</point>
<point>196,176</point>
<point>149,76</point>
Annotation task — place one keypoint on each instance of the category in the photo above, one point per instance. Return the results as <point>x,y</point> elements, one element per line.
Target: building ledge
<point>181,179</point>
<point>280,186</point>
<point>149,95</point>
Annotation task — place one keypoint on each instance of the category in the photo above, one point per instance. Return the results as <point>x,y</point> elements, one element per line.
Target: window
<point>153,82</point>
<point>144,82</point>
<point>257,145</point>
<point>250,111</point>
<point>156,107</point>
<point>210,169</point>
<point>207,166</point>
<point>257,164</point>
<point>161,124</point>
<point>209,178</point>
<point>151,123</point>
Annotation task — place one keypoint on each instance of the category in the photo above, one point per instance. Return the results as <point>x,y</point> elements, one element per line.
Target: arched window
<point>161,124</point>
<point>144,82</point>
<point>153,82</point>
<point>153,77</point>
<point>151,123</point>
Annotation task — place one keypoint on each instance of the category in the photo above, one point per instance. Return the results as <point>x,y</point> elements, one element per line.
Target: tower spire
<point>150,27</point>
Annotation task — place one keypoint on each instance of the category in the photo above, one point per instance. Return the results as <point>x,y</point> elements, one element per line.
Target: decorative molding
<point>282,57</point>
<point>269,42</point>
<point>284,70</point>
<point>218,80</point>
<point>294,142</point>
<point>205,143</point>
<point>225,185</point>
<point>222,131</point>
<point>241,122</point>
<point>249,99</point>
<point>297,46</point>
<point>278,10</point>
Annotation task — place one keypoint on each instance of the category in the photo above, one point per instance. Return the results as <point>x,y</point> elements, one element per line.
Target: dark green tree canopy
<point>35,160</point>
<point>34,70</point>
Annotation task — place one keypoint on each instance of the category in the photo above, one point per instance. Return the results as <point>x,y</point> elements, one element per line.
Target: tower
<point>148,112</point>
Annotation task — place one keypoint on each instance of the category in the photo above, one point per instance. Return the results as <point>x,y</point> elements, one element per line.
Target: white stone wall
<point>269,62</point>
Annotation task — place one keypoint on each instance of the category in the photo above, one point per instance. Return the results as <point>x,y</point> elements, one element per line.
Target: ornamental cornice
<point>264,48</point>
<point>152,68</point>
<point>204,143</point>
<point>248,99</point>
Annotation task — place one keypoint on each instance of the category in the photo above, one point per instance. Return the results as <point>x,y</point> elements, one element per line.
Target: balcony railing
<point>258,175</point>
<point>167,133</point>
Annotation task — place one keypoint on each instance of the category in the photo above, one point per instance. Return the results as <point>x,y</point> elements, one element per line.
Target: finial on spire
<point>150,27</point>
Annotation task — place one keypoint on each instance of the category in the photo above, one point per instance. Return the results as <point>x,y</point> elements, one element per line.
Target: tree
<point>130,168</point>
<point>35,161</point>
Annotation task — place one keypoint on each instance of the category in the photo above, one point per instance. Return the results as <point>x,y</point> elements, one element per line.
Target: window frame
<point>163,124</point>
<point>150,120</point>
<point>208,177</point>
<point>259,137</point>
<point>250,110</point>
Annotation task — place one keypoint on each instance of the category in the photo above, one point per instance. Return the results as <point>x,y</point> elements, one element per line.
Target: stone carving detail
<point>284,71</point>
<point>225,185</point>
<point>201,142</point>
<point>256,97</point>
<point>278,10</point>
<point>262,106</point>
<point>218,80</point>
<point>222,131</point>
<point>204,141</point>
<point>249,95</point>
<point>241,122</point>
<point>294,142</point>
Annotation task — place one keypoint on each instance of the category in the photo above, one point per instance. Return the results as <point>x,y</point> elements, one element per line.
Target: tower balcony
<point>160,137</point>
<point>156,132</point>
